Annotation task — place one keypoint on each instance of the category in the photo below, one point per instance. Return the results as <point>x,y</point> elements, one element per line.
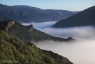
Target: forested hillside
<point>16,51</point>
<point>28,33</point>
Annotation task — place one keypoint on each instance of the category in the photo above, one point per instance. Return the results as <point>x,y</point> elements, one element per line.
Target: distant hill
<point>83,18</point>
<point>27,33</point>
<point>23,13</point>
<point>16,51</point>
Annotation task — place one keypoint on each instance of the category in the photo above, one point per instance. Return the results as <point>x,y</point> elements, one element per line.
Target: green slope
<point>28,33</point>
<point>16,51</point>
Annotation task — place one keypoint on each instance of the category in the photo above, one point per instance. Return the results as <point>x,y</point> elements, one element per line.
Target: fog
<point>82,51</point>
<point>41,25</point>
<point>75,32</point>
<point>79,52</point>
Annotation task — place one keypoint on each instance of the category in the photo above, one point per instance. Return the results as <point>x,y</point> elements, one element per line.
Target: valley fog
<point>82,51</point>
<point>79,52</point>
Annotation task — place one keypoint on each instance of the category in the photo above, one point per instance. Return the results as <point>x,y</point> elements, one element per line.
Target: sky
<point>71,5</point>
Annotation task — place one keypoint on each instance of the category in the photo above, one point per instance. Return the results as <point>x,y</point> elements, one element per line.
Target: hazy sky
<point>72,5</point>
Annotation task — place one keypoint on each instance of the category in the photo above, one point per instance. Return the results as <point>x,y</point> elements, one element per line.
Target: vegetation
<point>83,18</point>
<point>28,33</point>
<point>16,51</point>
<point>22,13</point>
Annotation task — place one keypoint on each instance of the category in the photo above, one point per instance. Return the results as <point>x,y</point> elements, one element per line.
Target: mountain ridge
<point>28,33</point>
<point>31,14</point>
<point>83,18</point>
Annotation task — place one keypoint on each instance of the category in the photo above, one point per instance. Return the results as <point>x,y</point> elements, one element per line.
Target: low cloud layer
<point>81,51</point>
<point>41,25</point>
<point>75,32</point>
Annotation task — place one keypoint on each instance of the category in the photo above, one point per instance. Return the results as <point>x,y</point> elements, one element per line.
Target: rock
<point>9,25</point>
<point>31,28</point>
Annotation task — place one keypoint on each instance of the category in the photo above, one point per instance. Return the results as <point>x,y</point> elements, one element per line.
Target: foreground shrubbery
<point>17,51</point>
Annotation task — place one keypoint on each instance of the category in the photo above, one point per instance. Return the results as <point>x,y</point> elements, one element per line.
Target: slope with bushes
<point>27,33</point>
<point>16,51</point>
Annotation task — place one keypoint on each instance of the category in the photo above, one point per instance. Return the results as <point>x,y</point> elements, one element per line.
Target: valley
<point>47,32</point>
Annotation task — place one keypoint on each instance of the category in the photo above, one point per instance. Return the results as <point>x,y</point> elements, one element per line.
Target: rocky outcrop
<point>31,28</point>
<point>9,25</point>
